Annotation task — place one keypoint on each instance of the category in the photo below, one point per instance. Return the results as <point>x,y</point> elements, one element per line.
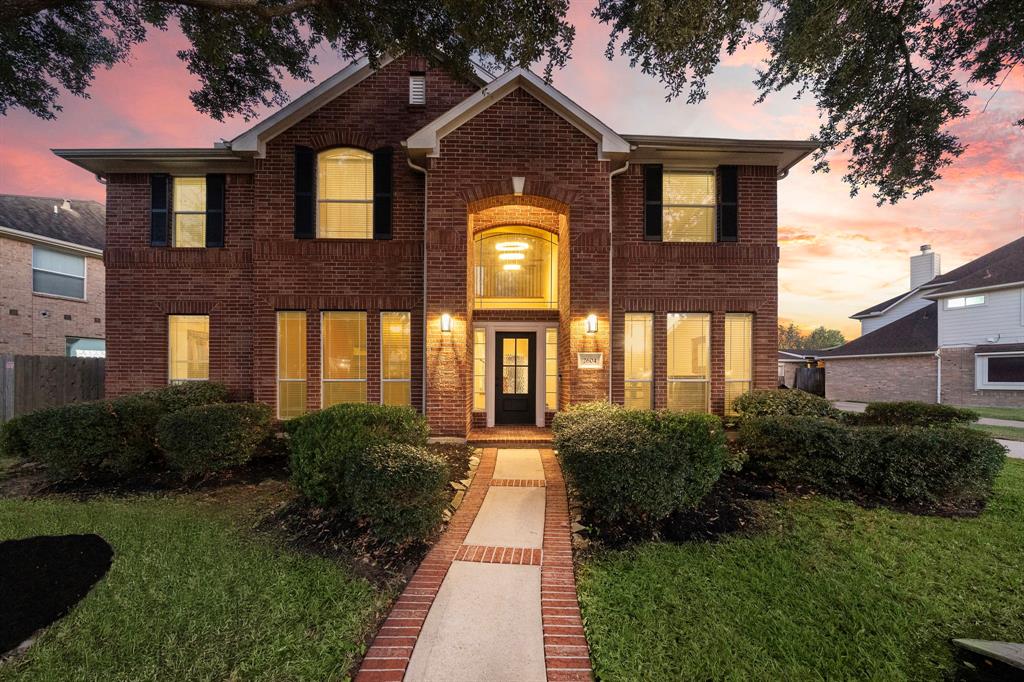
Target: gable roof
<point>916,333</point>
<point>75,221</point>
<point>1003,266</point>
<point>427,140</point>
<point>880,308</point>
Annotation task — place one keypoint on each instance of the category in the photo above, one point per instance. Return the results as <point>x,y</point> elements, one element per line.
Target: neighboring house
<point>483,249</point>
<point>51,276</point>
<point>955,338</point>
<point>790,360</point>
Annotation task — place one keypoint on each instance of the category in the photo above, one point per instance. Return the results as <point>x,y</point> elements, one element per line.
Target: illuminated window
<point>964,301</point>
<point>639,360</point>
<point>188,347</point>
<point>291,363</point>
<point>738,356</point>
<point>344,194</point>
<point>396,358</point>
<point>343,344</point>
<point>689,206</point>
<point>189,212</point>
<point>551,370</point>
<point>689,347</point>
<point>479,370</point>
<point>57,273</point>
<point>516,267</point>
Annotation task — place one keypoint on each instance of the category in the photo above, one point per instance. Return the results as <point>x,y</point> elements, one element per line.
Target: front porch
<point>518,436</point>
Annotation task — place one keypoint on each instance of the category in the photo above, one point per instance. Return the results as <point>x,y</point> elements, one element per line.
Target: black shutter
<point>652,202</point>
<point>214,210</point>
<point>305,226</point>
<point>382,193</point>
<point>158,214</point>
<point>728,226</point>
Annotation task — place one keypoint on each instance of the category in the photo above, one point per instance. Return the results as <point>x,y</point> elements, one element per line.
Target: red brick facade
<point>468,185</point>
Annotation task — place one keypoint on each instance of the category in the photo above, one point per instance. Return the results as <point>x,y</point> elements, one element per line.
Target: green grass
<point>1015,413</point>
<point>1006,432</point>
<point>828,591</point>
<point>191,597</point>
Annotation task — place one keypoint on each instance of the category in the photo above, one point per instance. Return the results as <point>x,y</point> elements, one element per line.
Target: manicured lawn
<point>193,596</point>
<point>828,591</point>
<point>1015,413</point>
<point>1007,432</point>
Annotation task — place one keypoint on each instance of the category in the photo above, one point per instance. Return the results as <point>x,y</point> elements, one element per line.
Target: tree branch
<point>14,9</point>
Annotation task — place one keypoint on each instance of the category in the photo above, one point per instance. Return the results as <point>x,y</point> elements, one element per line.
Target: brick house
<point>483,249</point>
<point>51,276</point>
<point>954,338</point>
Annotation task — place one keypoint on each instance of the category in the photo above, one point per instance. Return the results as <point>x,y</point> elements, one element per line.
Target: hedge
<point>176,397</point>
<point>778,402</point>
<point>913,464</point>
<point>326,446</point>
<point>631,469</point>
<point>206,438</point>
<point>911,413</point>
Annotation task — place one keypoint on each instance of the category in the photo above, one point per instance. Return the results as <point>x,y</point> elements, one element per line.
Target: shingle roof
<point>913,333</point>
<point>879,307</point>
<point>78,221</point>
<point>1005,265</point>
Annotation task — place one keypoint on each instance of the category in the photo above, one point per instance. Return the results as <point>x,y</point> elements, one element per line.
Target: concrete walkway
<point>495,599</point>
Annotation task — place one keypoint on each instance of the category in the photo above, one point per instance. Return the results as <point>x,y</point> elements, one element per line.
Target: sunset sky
<point>839,254</point>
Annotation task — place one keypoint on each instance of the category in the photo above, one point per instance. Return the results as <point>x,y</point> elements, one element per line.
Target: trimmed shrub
<point>92,439</point>
<point>456,456</point>
<point>399,491</point>
<point>326,446</point>
<point>915,464</point>
<point>176,397</point>
<point>912,413</point>
<point>206,438</point>
<point>775,403</point>
<point>633,468</point>
<point>12,441</point>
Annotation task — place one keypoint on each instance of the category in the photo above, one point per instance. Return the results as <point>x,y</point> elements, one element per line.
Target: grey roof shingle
<point>917,332</point>
<point>81,222</point>
<point>1005,265</point>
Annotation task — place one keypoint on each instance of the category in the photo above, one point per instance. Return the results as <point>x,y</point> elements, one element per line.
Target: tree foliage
<point>888,76</point>
<point>820,338</point>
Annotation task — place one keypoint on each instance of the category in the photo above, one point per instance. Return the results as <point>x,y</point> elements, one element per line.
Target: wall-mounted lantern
<point>446,322</point>
<point>590,324</point>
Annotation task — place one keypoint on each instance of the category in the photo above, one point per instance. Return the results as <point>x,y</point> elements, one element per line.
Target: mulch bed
<point>42,577</point>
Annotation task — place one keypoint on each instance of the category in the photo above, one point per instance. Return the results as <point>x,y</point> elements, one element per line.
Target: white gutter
<point>611,247</point>
<point>938,376</point>
<point>961,292</point>
<point>423,380</point>
<point>826,358</point>
<point>50,241</point>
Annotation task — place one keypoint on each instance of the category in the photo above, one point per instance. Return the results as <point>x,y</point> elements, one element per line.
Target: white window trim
<point>706,380</point>
<point>713,172</point>
<point>277,362</point>
<point>84,277</point>
<point>364,380</point>
<point>317,200</point>
<point>174,213</point>
<point>540,372</point>
<point>209,330</point>
<point>650,355</point>
<point>981,382</point>
<point>984,302</point>
<point>380,322</point>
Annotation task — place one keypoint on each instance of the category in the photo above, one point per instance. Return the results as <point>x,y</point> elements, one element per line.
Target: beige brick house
<point>52,286</point>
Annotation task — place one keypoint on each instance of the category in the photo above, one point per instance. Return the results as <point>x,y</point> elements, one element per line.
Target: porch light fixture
<point>512,255</point>
<point>511,246</point>
<point>511,266</point>
<point>446,323</point>
<point>590,324</point>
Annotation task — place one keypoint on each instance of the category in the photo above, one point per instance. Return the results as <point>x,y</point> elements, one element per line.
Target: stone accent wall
<point>958,383</point>
<point>37,324</point>
<point>906,377</point>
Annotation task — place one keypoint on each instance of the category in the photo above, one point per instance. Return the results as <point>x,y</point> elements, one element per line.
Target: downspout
<point>423,380</point>
<point>938,376</point>
<point>611,247</point>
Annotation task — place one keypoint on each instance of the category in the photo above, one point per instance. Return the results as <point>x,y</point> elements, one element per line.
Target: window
<point>57,273</point>
<point>639,360</point>
<point>688,211</point>
<point>189,212</point>
<point>291,363</point>
<point>78,347</point>
<point>417,89</point>
<point>396,358</point>
<point>343,344</point>
<point>738,356</point>
<point>551,369</point>
<point>964,301</point>
<point>188,347</point>
<point>516,267</point>
<point>344,194</point>
<point>479,370</point>
<point>999,372</point>
<point>689,349</point>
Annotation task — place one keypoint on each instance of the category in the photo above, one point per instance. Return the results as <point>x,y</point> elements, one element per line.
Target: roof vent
<point>65,205</point>
<point>925,248</point>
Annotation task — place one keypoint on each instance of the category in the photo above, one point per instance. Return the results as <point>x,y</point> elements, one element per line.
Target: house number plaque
<point>590,360</point>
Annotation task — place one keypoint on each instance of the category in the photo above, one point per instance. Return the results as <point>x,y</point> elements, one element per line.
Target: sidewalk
<point>495,599</point>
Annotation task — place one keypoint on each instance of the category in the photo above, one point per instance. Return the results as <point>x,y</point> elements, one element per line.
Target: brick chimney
<point>924,266</point>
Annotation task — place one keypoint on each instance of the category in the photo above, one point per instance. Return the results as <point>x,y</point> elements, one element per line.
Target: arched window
<point>516,267</point>
<point>344,194</point>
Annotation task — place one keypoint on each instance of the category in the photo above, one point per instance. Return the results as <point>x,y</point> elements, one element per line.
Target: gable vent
<point>417,89</point>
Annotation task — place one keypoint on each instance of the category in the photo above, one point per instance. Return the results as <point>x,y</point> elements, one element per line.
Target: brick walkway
<point>500,610</point>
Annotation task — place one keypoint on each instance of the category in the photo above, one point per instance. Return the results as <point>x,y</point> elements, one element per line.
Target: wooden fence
<point>32,382</point>
<point>811,379</point>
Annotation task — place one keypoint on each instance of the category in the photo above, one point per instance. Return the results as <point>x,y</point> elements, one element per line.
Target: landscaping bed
<point>824,589</point>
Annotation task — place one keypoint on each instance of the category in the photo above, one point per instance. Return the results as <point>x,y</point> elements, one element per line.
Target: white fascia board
<point>34,238</point>
<point>973,290</point>
<point>427,140</point>
<point>878,313</point>
<point>826,358</point>
<point>255,139</point>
